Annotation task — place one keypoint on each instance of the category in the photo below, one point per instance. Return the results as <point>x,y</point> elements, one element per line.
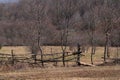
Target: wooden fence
<point>12,59</point>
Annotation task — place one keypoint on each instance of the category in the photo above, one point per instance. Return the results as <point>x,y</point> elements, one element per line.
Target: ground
<point>101,72</point>
<point>64,73</point>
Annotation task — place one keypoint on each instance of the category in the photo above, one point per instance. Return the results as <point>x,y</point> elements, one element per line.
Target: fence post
<point>51,51</point>
<point>13,58</point>
<point>67,61</point>
<point>78,54</point>
<point>34,57</point>
<point>53,56</point>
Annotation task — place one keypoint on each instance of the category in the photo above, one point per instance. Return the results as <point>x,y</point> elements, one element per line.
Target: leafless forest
<point>55,22</point>
<point>35,23</point>
<point>60,22</point>
<point>80,26</point>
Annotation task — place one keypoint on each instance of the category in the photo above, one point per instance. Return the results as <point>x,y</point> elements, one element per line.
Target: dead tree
<point>40,17</point>
<point>106,20</point>
<point>35,10</point>
<point>61,14</point>
<point>88,17</point>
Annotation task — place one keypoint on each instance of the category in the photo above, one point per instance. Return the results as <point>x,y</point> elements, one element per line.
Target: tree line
<point>61,22</point>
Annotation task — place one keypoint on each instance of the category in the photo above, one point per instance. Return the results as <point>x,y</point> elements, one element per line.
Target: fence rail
<point>35,58</point>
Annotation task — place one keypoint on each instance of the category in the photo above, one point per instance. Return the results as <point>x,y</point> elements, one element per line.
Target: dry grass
<point>17,50</point>
<point>23,50</point>
<point>63,73</point>
<point>99,54</point>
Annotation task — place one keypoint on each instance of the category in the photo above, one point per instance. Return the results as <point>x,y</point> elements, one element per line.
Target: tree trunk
<point>106,48</point>
<point>42,62</point>
<point>13,58</point>
<point>78,59</point>
<point>92,50</point>
<point>117,55</point>
<point>108,53</point>
<point>63,58</point>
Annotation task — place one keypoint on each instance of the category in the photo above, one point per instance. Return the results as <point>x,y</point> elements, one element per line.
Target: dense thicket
<point>87,22</point>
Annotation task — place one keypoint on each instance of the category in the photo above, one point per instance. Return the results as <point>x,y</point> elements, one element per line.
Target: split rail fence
<point>12,58</point>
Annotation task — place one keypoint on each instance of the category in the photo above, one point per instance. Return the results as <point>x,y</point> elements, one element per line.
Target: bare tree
<point>88,14</point>
<point>35,11</point>
<point>115,36</point>
<point>91,33</point>
<point>107,21</point>
<point>62,13</point>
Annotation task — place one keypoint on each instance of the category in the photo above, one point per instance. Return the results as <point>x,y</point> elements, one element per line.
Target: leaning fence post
<point>13,58</point>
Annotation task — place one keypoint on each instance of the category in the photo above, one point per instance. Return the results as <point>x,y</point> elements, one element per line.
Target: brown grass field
<point>62,73</point>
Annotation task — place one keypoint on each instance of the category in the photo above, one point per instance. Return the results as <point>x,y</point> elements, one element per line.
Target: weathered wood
<point>13,58</point>
<point>53,57</point>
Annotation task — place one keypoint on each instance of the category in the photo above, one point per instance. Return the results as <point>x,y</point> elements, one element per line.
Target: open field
<point>62,73</point>
<point>22,50</point>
